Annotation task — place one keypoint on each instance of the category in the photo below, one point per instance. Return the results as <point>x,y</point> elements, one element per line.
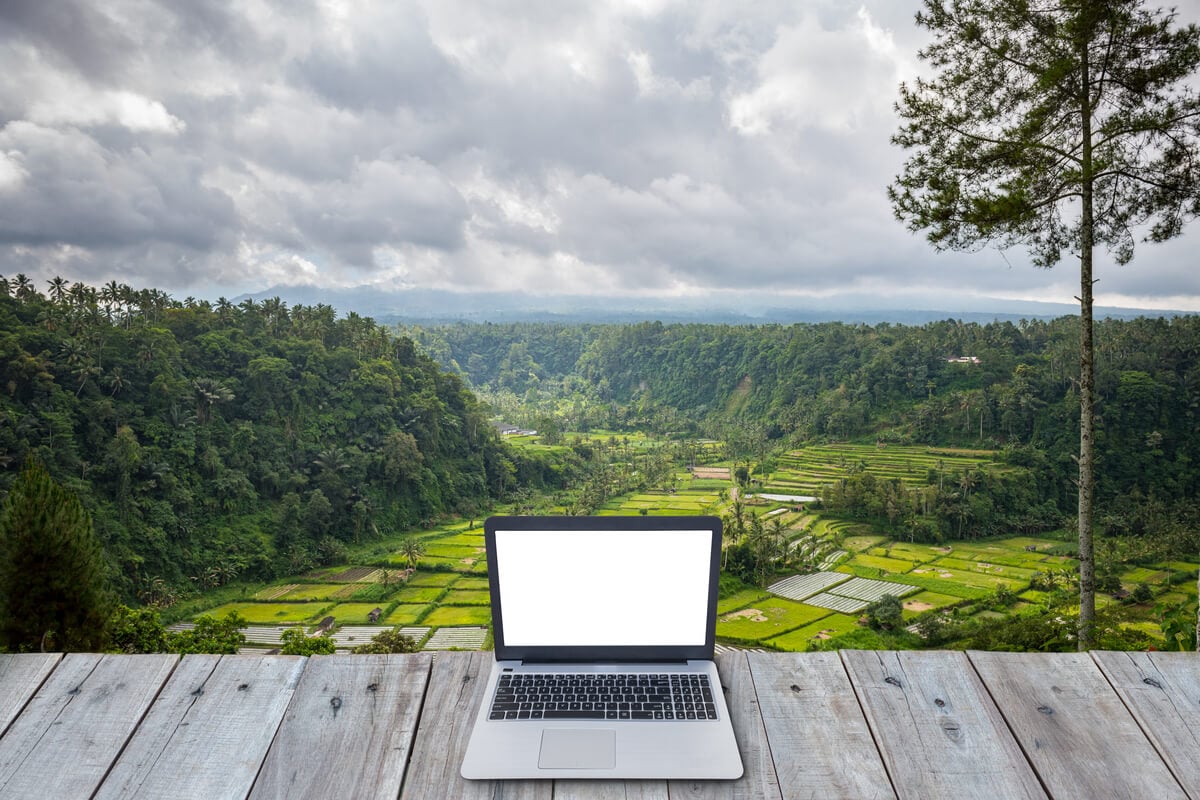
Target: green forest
<point>231,445</point>
<point>211,442</point>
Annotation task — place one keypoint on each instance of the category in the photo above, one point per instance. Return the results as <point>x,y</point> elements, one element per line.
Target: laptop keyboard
<point>593,695</point>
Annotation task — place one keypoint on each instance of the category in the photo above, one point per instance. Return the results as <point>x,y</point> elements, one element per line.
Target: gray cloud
<point>656,146</point>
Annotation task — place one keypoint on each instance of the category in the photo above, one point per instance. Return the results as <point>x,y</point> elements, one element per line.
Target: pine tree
<point>1054,125</point>
<point>53,593</point>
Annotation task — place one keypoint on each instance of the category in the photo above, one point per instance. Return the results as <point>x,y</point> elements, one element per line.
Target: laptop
<point>603,629</point>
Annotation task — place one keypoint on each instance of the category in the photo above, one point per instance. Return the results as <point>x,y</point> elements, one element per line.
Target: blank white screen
<point>603,588</point>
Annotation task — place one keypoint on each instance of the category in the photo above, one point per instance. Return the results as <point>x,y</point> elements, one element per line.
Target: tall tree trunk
<point>1087,555</point>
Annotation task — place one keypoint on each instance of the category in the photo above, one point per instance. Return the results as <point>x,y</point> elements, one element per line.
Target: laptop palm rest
<point>578,749</point>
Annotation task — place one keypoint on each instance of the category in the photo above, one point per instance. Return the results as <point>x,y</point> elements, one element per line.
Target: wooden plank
<point>20,677</point>
<point>74,727</point>
<point>760,779</point>
<point>209,730</point>
<point>1073,727</point>
<point>1162,691</point>
<point>609,790</point>
<point>349,728</point>
<point>456,686</point>
<point>938,731</point>
<point>817,732</point>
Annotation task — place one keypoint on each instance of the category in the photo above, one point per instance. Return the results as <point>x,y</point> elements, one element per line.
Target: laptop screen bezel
<point>594,653</point>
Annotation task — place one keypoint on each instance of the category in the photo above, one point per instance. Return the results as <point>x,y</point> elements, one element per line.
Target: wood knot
<point>199,691</point>
<point>1152,682</point>
<point>1047,710</point>
<point>892,681</point>
<point>795,688</point>
<point>940,703</point>
<point>75,691</point>
<point>951,729</point>
<point>243,687</point>
<point>372,687</point>
<point>335,703</point>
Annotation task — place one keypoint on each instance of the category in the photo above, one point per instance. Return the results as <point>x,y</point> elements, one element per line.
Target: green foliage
<point>391,641</point>
<point>1039,633</point>
<point>1178,627</point>
<point>52,584</point>
<point>210,635</point>
<point>213,442</point>
<point>885,614</point>
<point>297,643</point>
<point>137,630</point>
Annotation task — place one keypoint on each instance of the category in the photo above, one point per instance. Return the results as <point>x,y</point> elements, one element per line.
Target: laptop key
<point>556,714</point>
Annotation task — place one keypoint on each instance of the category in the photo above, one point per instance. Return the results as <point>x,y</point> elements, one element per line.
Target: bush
<point>389,642</point>
<point>297,643</point>
<point>885,614</point>
<point>137,630</point>
<point>210,635</point>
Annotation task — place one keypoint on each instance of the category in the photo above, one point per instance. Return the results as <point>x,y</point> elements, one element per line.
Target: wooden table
<point>858,724</point>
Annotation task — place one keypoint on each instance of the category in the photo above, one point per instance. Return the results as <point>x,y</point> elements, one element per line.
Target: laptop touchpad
<point>578,749</point>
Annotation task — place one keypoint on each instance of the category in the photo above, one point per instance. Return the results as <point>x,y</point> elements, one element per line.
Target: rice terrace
<point>847,565</point>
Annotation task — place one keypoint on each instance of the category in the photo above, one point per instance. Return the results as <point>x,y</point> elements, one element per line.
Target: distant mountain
<point>745,308</point>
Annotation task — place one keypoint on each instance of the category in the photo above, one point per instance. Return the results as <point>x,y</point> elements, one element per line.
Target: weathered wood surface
<point>1162,690</point>
<point>75,725</point>
<point>938,731</point>
<point>1073,727</point>
<point>354,719</point>
<point>854,724</point>
<point>456,686</point>
<point>20,677</point>
<point>214,722</point>
<point>816,729</point>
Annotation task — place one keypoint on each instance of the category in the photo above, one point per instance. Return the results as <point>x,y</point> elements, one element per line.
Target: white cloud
<point>616,146</point>
<point>12,174</point>
<point>74,103</point>
<point>814,76</point>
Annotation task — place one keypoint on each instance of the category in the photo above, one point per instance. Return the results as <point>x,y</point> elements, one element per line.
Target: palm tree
<point>58,290</point>
<point>208,393</point>
<point>412,549</point>
<point>22,287</point>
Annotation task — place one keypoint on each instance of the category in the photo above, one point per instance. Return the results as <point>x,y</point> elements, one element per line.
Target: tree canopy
<point>53,592</point>
<point>1053,125</point>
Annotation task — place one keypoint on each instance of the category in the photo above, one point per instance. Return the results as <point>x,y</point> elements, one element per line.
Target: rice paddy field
<point>807,471</point>
<point>449,589</point>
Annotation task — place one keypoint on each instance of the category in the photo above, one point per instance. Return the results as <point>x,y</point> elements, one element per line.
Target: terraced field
<point>808,470</point>
<point>451,599</point>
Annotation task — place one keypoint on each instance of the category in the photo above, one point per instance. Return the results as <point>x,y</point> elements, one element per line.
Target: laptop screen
<point>576,587</point>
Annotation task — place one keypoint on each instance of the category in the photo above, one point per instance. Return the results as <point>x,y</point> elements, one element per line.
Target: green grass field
<point>458,615</point>
<point>766,619</point>
<point>893,565</point>
<point>406,614</point>
<point>740,600</point>
<point>466,597</point>
<point>826,627</point>
<point>353,613</point>
<point>419,594</point>
<point>272,613</point>
<point>434,578</point>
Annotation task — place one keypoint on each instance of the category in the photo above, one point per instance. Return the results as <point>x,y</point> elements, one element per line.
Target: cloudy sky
<point>633,146</point>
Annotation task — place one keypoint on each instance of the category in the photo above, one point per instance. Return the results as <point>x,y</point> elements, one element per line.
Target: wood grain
<point>456,686</point>
<point>20,676</point>
<point>1162,691</point>
<point>213,723</point>
<point>937,729</point>
<point>818,735</point>
<point>1073,727</point>
<point>349,729</point>
<point>759,779</point>
<point>73,728</point>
